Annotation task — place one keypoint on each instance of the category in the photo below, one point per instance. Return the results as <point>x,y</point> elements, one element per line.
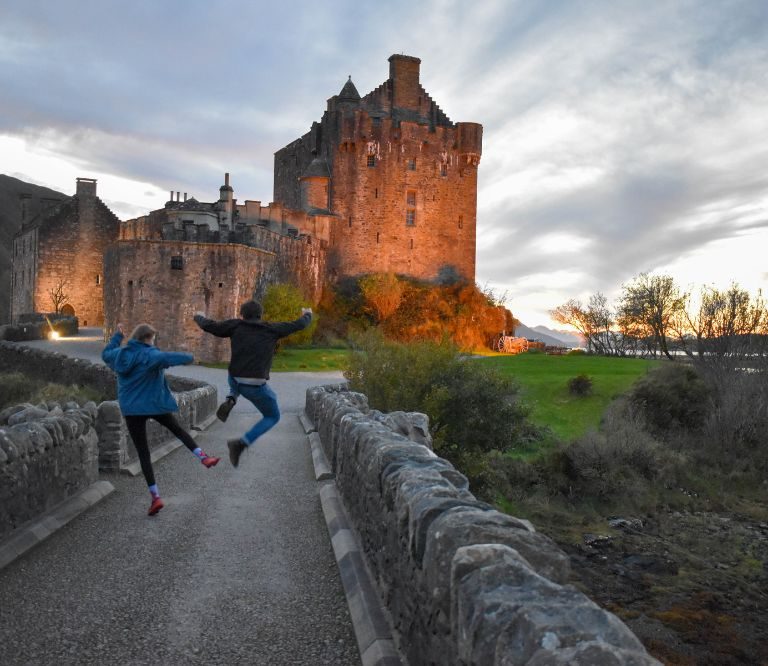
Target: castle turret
<point>349,93</point>
<point>314,183</point>
<point>404,77</point>
<point>470,143</point>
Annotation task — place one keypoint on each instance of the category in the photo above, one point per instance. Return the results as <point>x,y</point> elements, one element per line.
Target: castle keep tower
<point>402,179</point>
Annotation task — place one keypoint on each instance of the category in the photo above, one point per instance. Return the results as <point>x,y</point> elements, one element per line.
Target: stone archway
<point>67,310</point>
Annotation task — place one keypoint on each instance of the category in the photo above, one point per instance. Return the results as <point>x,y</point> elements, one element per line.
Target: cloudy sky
<point>619,136</point>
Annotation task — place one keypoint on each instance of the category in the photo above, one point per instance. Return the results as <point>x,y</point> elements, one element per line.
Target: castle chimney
<point>171,199</point>
<point>226,197</point>
<point>185,196</point>
<point>24,201</point>
<point>86,187</point>
<point>404,75</point>
<point>178,196</point>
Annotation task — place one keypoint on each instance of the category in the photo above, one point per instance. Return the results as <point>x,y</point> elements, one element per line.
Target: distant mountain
<point>523,331</point>
<point>570,338</point>
<point>10,223</point>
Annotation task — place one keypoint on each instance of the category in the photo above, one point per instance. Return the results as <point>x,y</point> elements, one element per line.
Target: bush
<point>472,408</point>
<point>283,302</point>
<point>15,388</point>
<point>671,398</point>
<point>580,385</point>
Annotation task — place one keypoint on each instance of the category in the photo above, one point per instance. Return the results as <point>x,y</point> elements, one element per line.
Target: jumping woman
<point>143,394</point>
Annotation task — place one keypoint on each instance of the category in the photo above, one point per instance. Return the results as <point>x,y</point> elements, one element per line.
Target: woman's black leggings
<point>137,426</point>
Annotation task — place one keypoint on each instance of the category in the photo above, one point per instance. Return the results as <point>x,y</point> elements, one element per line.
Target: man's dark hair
<point>251,310</point>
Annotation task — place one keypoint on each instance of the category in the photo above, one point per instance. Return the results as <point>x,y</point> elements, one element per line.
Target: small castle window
<point>410,218</point>
<point>377,236</point>
<point>410,198</point>
<point>443,170</point>
<point>98,279</point>
<point>412,164</point>
<point>461,221</point>
<point>371,160</point>
<point>221,284</point>
<point>177,263</point>
<point>411,243</point>
<point>376,193</point>
<point>377,121</point>
<point>130,283</point>
<point>350,221</point>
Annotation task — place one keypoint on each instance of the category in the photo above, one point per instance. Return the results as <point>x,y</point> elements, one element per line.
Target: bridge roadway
<point>237,569</point>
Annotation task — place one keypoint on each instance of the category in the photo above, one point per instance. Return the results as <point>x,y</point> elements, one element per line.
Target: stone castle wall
<point>403,179</point>
<point>142,285</point>
<point>414,210</point>
<point>463,583</point>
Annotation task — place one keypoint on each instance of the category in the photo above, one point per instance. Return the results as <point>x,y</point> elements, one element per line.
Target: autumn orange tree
<point>408,310</point>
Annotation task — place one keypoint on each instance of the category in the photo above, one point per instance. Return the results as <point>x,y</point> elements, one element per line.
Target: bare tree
<point>648,308</point>
<point>729,323</point>
<point>595,322</point>
<point>58,294</point>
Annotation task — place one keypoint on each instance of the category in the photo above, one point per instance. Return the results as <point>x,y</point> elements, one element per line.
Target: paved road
<point>237,569</point>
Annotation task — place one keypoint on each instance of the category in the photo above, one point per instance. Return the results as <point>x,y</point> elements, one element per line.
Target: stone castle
<point>383,183</point>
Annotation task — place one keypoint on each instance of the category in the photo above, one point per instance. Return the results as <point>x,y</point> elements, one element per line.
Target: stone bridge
<point>340,539</point>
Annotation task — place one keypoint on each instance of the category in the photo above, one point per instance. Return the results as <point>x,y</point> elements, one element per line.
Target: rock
<point>9,411</point>
<point>627,524</point>
<point>28,414</point>
<point>597,540</point>
<point>71,404</point>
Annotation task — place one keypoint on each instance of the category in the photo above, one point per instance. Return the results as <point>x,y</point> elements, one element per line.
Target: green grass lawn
<point>544,379</point>
<point>304,359</point>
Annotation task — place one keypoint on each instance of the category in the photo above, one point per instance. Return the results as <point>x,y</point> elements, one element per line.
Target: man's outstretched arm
<point>284,328</point>
<point>221,329</point>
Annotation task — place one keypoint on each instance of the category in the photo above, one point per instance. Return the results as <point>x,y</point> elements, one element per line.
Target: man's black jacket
<point>253,341</point>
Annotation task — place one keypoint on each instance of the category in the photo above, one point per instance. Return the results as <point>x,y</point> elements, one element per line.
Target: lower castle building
<point>383,183</point>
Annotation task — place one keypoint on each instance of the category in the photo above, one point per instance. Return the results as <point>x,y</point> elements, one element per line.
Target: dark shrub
<point>471,407</point>
<point>580,385</point>
<point>672,397</point>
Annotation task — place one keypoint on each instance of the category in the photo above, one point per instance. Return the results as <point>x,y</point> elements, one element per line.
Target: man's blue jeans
<point>265,400</point>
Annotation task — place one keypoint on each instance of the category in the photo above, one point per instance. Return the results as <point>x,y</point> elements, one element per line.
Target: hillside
<point>10,222</point>
<point>522,331</point>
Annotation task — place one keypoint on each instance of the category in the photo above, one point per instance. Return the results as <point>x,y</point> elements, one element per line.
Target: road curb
<point>38,530</point>
<point>369,620</point>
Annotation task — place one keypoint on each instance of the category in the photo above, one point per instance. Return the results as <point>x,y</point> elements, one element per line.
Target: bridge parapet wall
<point>45,458</point>
<point>197,400</point>
<point>463,583</point>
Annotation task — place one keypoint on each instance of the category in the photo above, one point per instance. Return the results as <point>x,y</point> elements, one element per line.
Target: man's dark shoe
<point>236,448</point>
<point>222,413</point>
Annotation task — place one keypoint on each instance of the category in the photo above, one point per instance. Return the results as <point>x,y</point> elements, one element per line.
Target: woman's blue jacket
<point>140,368</point>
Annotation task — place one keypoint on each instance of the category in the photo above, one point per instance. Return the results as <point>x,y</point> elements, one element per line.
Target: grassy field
<point>544,379</point>
<point>304,359</point>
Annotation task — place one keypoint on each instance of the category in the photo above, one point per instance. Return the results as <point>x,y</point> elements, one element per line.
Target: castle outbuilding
<point>61,249</point>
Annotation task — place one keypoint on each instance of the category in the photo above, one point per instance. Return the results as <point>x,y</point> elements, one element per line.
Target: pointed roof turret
<point>349,92</point>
